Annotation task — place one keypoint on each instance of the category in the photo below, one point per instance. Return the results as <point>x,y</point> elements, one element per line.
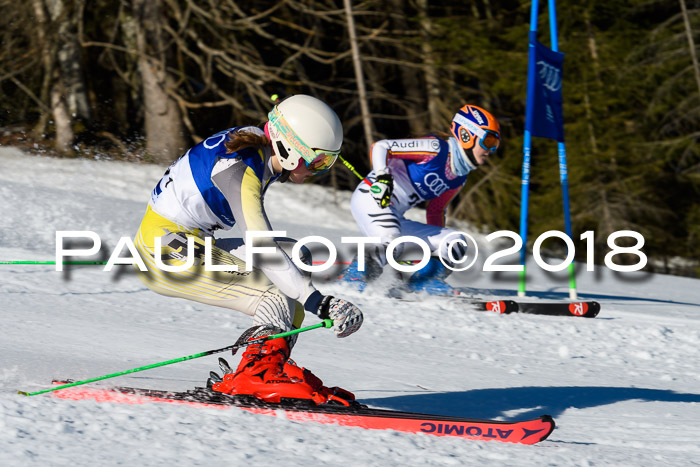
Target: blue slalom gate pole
<point>563,171</point>
<point>529,113</point>
<point>540,56</point>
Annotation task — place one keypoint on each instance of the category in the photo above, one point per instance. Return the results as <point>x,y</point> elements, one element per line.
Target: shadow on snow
<point>526,402</point>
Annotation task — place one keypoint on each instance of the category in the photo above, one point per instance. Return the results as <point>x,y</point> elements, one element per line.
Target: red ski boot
<point>334,393</point>
<point>262,373</point>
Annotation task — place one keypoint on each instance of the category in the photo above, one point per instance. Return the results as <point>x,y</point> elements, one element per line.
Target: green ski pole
<point>326,323</point>
<point>82,263</point>
<point>352,169</point>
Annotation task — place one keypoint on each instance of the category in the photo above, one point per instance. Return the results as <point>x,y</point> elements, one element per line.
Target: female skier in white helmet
<point>221,182</point>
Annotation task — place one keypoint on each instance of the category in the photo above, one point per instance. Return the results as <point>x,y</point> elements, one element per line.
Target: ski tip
<point>549,420</point>
<point>585,309</point>
<point>22,393</point>
<point>593,309</point>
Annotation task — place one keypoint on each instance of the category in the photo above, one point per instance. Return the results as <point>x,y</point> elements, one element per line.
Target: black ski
<point>585,309</point>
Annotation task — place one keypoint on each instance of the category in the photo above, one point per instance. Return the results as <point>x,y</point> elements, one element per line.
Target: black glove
<point>347,318</point>
<point>382,188</point>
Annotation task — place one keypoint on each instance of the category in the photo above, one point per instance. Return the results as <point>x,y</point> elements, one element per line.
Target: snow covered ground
<point>624,388</point>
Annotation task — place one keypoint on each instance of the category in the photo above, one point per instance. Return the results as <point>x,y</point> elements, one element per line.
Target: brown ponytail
<point>442,135</point>
<point>243,139</point>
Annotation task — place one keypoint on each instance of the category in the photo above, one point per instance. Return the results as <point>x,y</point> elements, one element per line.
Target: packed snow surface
<point>624,388</point>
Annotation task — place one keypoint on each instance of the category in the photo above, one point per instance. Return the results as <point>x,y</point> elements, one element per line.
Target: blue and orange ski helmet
<point>471,122</point>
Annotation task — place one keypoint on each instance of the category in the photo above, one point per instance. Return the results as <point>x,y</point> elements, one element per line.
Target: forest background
<point>142,80</point>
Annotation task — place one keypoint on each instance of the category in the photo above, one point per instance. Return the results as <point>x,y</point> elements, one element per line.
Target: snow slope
<point>624,388</point>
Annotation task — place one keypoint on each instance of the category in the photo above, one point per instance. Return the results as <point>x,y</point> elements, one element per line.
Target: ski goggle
<point>323,162</point>
<point>489,140</point>
<point>317,161</point>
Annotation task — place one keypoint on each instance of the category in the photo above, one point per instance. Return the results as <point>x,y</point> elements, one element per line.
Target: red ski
<point>522,432</point>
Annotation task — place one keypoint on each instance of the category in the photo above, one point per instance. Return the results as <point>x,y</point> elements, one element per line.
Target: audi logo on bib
<point>435,184</point>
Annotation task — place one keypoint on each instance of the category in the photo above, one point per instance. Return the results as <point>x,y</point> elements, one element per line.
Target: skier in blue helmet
<point>406,172</point>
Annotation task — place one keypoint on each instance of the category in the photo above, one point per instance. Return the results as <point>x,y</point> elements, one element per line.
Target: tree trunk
<point>61,107</point>
<point>163,121</point>
<point>63,84</point>
<point>691,43</point>
<point>359,77</point>
<point>62,118</point>
<point>71,63</point>
<point>592,48</point>
<point>412,88</point>
<point>431,77</point>
<point>69,59</point>
<point>46,63</point>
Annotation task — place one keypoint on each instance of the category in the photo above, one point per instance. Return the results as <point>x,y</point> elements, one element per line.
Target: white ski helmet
<point>305,128</point>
